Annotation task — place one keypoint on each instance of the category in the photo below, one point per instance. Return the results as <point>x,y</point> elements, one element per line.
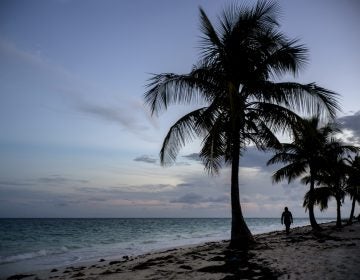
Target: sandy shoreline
<point>333,254</point>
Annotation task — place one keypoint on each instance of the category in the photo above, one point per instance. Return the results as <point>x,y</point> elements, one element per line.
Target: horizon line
<point>155,218</point>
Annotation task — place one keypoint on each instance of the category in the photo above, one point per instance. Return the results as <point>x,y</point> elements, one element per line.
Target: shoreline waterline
<point>273,257</point>
<point>64,242</point>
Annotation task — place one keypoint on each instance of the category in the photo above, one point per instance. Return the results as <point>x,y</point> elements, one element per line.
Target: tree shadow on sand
<point>238,264</point>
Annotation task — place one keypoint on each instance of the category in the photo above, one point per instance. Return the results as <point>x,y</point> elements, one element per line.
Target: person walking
<point>287,219</point>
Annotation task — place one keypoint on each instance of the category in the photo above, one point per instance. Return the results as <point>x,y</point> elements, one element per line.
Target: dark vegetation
<point>239,77</point>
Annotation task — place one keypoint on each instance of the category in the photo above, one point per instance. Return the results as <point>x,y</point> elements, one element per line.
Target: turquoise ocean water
<point>36,244</point>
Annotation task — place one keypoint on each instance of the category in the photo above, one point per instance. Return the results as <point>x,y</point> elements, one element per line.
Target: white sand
<point>333,254</point>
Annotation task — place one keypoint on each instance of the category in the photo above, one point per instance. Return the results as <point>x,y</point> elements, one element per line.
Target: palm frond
<point>265,13</point>
<point>184,130</point>
<point>276,117</point>
<point>289,57</point>
<point>321,197</point>
<point>305,179</point>
<point>290,172</point>
<point>303,98</point>
<point>307,98</point>
<point>213,148</point>
<point>211,44</point>
<point>263,137</point>
<point>283,157</point>
<point>169,88</point>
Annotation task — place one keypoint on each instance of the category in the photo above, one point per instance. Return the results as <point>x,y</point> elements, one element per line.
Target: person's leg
<point>287,228</point>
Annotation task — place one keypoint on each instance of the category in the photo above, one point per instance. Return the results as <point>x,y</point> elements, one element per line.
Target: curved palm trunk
<point>338,212</point>
<point>314,224</point>
<point>352,210</point>
<point>241,236</point>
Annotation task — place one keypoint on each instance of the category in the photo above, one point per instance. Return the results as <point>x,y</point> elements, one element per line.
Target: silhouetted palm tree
<point>333,176</point>
<point>304,157</point>
<point>353,188</point>
<point>243,104</point>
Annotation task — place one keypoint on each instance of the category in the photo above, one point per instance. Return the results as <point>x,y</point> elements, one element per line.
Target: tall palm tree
<point>353,188</point>
<point>333,176</point>
<point>304,157</point>
<point>243,105</point>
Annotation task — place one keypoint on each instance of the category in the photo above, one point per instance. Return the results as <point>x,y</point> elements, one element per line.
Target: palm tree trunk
<point>241,236</point>
<point>314,224</point>
<point>338,212</point>
<point>352,210</point>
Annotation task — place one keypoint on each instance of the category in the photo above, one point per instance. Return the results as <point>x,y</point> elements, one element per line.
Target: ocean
<point>37,244</point>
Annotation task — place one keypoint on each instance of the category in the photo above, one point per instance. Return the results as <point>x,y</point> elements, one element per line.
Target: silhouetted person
<point>287,219</point>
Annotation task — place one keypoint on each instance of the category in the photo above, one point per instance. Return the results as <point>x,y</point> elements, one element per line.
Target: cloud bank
<point>351,126</point>
<point>146,159</point>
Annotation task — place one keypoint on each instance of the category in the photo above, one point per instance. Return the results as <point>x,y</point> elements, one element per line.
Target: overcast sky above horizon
<point>76,139</point>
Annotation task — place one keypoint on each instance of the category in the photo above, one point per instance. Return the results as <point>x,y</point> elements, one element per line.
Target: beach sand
<point>331,254</point>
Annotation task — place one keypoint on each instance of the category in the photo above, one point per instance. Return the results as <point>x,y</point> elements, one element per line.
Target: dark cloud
<point>126,189</point>
<point>98,199</point>
<point>351,123</point>
<point>16,183</point>
<point>145,158</point>
<point>115,114</point>
<point>58,179</point>
<point>184,185</point>
<point>251,157</point>
<point>147,188</point>
<point>61,204</point>
<point>62,201</point>
<point>49,180</point>
<point>36,196</point>
<point>193,198</point>
<point>219,199</point>
<point>33,186</point>
<point>193,156</point>
<point>295,190</point>
<point>189,198</point>
<point>8,192</point>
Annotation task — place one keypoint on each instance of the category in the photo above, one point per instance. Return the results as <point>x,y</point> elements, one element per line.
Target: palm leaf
<point>184,130</point>
<point>290,172</point>
<point>321,197</point>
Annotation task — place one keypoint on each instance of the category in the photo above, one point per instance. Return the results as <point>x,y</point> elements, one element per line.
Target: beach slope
<point>331,254</point>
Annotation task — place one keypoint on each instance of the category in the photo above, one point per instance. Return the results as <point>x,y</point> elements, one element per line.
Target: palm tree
<point>353,188</point>
<point>243,105</point>
<point>332,177</point>
<point>303,157</point>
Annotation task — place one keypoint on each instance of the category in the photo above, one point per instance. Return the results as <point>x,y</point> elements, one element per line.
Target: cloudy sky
<point>76,139</point>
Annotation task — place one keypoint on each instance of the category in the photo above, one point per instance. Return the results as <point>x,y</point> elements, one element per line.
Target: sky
<point>76,139</point>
